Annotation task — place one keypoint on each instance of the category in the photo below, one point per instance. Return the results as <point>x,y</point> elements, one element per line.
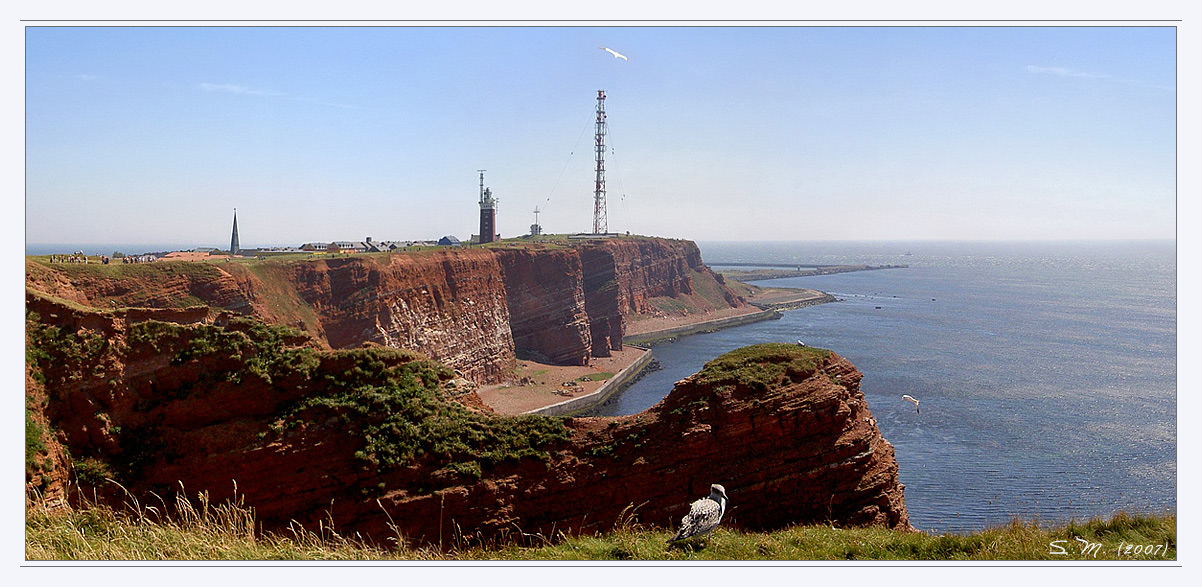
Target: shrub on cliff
<point>393,404</point>
<point>245,346</point>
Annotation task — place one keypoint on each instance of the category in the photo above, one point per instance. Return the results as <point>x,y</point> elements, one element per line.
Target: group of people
<point>77,257</point>
<point>80,257</point>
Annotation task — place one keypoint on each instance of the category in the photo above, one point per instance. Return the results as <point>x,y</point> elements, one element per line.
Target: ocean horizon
<point>125,248</point>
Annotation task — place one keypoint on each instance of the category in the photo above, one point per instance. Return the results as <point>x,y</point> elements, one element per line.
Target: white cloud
<point>235,89</point>
<point>1064,71</point>
<point>331,104</point>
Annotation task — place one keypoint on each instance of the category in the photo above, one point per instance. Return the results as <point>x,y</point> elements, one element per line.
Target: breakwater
<point>657,336</point>
<point>611,386</point>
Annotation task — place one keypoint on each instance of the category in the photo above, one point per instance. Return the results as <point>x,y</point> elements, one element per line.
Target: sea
<point>1046,371</point>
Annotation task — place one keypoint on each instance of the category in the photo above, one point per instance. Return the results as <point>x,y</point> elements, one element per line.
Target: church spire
<point>234,249</point>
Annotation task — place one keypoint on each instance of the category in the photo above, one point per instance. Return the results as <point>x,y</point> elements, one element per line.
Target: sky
<point>155,134</point>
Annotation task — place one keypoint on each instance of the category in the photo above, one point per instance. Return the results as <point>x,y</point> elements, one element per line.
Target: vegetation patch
<point>198,530</point>
<point>595,376</point>
<point>245,346</point>
<point>36,459</point>
<point>760,366</point>
<point>92,472</point>
<point>77,353</point>
<point>398,414</point>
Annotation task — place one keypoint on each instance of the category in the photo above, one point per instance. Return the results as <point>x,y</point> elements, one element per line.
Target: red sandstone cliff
<point>450,305</point>
<point>310,435</point>
<point>473,309</point>
<point>545,294</point>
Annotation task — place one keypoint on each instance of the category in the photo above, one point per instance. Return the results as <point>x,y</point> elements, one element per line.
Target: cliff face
<point>547,314</point>
<point>621,277</point>
<point>450,306</point>
<point>378,434</point>
<point>474,309</point>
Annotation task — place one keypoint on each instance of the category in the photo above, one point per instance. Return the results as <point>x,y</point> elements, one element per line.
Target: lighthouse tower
<point>488,214</point>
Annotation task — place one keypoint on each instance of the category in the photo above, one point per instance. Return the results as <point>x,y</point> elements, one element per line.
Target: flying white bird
<point>704,515</point>
<point>912,399</point>
<point>615,53</point>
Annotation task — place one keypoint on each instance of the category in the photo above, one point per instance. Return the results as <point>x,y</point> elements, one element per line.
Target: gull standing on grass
<point>914,401</point>
<point>614,53</point>
<point>704,515</point>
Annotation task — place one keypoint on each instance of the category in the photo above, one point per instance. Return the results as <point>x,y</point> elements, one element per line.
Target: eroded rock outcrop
<point>374,440</point>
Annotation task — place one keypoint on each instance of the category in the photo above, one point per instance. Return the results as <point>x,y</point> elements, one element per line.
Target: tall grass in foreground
<point>187,531</point>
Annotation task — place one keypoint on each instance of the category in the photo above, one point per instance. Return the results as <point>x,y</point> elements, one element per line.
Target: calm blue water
<point>1047,371</point>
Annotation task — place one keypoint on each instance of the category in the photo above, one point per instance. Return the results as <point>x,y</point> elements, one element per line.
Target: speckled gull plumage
<point>704,515</point>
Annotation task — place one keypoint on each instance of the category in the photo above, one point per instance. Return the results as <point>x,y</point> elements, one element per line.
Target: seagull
<point>703,515</point>
<point>615,53</point>
<point>911,399</point>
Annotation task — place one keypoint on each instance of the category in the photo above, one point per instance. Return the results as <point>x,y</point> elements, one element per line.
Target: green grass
<point>392,403</point>
<point>762,365</point>
<point>595,377</point>
<point>35,445</point>
<point>187,530</point>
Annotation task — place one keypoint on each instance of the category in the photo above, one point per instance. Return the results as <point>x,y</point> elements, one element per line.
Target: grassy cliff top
<point>762,365</point>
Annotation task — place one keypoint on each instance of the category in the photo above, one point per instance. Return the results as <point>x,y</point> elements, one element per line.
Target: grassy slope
<point>204,532</point>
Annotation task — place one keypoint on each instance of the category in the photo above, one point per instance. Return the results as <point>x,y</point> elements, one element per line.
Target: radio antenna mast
<point>600,223</point>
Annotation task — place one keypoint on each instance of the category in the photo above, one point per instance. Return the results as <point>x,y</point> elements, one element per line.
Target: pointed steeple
<point>234,249</point>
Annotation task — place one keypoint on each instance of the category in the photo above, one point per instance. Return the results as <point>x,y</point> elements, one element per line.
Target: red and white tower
<point>600,224</point>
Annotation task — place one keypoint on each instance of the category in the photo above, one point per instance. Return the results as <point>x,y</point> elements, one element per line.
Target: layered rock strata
<point>547,314</point>
<point>474,309</point>
<point>448,305</point>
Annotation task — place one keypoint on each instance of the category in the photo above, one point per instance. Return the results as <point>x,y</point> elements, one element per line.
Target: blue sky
<point>154,134</point>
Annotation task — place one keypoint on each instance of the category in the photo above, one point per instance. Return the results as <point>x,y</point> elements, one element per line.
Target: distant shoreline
<point>765,274</point>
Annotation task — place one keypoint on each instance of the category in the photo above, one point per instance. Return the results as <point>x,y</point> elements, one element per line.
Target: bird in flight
<point>704,515</point>
<point>615,53</point>
<point>914,401</point>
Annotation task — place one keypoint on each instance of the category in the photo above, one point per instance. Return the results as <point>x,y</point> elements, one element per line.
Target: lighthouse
<point>488,214</point>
